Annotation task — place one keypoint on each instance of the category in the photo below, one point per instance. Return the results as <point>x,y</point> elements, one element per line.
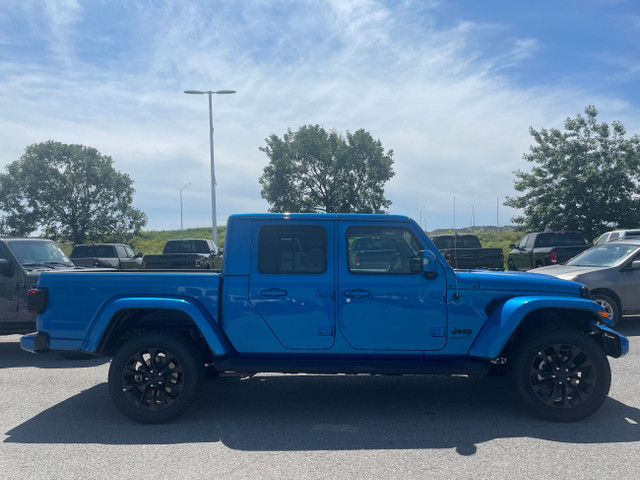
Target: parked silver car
<point>611,271</point>
<point>616,235</point>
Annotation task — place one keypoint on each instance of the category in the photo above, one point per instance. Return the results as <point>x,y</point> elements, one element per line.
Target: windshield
<point>34,253</point>
<point>605,255</point>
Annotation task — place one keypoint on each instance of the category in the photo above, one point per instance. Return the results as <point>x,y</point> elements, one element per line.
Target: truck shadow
<point>629,326</point>
<point>303,412</point>
<point>12,356</point>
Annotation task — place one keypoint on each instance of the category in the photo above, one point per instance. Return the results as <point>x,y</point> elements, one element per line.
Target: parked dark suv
<point>21,261</point>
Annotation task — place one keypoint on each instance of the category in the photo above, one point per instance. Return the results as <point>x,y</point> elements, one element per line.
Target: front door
<point>382,305</point>
<point>291,283</point>
<point>631,280</point>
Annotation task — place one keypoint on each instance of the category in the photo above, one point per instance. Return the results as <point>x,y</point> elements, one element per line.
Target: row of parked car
<point>610,267</point>
<point>23,259</point>
<point>190,253</point>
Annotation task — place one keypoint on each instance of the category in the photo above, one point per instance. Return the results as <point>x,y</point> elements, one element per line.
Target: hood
<point>32,273</point>
<point>522,283</point>
<point>566,271</point>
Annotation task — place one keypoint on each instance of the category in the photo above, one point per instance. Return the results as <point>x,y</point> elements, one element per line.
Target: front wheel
<point>511,266</point>
<point>154,378</point>
<point>562,375</point>
<point>609,304</point>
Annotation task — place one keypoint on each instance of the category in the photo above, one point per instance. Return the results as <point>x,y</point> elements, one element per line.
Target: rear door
<point>382,305</point>
<point>291,283</point>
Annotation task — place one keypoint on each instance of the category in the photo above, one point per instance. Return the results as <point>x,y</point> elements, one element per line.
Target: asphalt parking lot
<point>57,421</point>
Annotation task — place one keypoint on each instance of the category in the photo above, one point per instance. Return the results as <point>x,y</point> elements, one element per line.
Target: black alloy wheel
<point>562,375</point>
<point>155,377</point>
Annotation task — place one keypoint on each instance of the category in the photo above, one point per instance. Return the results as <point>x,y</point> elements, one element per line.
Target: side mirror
<point>429,263</point>
<point>635,265</point>
<point>139,255</point>
<point>6,268</point>
<point>512,246</point>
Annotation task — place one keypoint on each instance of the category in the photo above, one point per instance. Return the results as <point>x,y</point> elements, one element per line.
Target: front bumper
<point>613,343</point>
<point>35,342</point>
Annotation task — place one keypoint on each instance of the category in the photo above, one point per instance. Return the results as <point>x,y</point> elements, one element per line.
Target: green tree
<point>585,178</point>
<point>69,192</point>
<point>313,170</point>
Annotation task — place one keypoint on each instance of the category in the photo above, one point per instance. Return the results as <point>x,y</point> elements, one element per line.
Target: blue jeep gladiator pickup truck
<point>328,293</point>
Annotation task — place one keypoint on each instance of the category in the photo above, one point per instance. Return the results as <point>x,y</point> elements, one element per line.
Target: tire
<point>154,378</point>
<point>511,266</point>
<point>581,388</point>
<point>539,264</point>
<point>609,304</point>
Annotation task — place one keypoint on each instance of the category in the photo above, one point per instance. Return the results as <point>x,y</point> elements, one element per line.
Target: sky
<point>452,87</point>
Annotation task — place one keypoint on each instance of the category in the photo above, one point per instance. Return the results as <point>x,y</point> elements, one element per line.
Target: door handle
<point>357,293</point>
<point>273,292</point>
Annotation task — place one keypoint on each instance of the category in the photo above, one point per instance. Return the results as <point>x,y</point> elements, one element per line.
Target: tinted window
<point>81,251</point>
<point>186,246</point>
<point>386,250</point>
<point>530,240</point>
<point>458,241</point>
<point>559,239</point>
<point>292,249</point>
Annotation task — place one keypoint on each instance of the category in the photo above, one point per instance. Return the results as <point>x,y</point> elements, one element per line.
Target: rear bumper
<point>35,342</point>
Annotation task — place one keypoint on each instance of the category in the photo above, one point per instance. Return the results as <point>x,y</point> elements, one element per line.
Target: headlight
<point>584,292</point>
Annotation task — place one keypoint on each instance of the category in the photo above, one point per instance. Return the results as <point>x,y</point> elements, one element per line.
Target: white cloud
<point>457,123</point>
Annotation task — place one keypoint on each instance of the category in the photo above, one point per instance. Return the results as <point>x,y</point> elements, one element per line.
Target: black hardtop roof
<point>97,244</point>
<point>186,239</point>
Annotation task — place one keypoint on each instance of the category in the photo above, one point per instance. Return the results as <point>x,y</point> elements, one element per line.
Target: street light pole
<point>181,227</point>
<point>214,221</point>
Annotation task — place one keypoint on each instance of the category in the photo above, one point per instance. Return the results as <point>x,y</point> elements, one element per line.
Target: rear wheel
<point>511,266</point>
<point>154,378</point>
<point>561,375</point>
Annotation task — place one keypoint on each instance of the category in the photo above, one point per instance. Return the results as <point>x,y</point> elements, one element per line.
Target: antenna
<point>456,296</point>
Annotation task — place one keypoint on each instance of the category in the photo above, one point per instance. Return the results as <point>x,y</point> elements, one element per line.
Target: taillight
<point>501,256</point>
<point>553,257</point>
<point>197,264</point>
<point>96,263</point>
<point>448,256</point>
<point>36,301</point>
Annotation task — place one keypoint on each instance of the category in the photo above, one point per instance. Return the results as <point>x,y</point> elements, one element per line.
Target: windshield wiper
<point>36,264</point>
<point>60,263</point>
